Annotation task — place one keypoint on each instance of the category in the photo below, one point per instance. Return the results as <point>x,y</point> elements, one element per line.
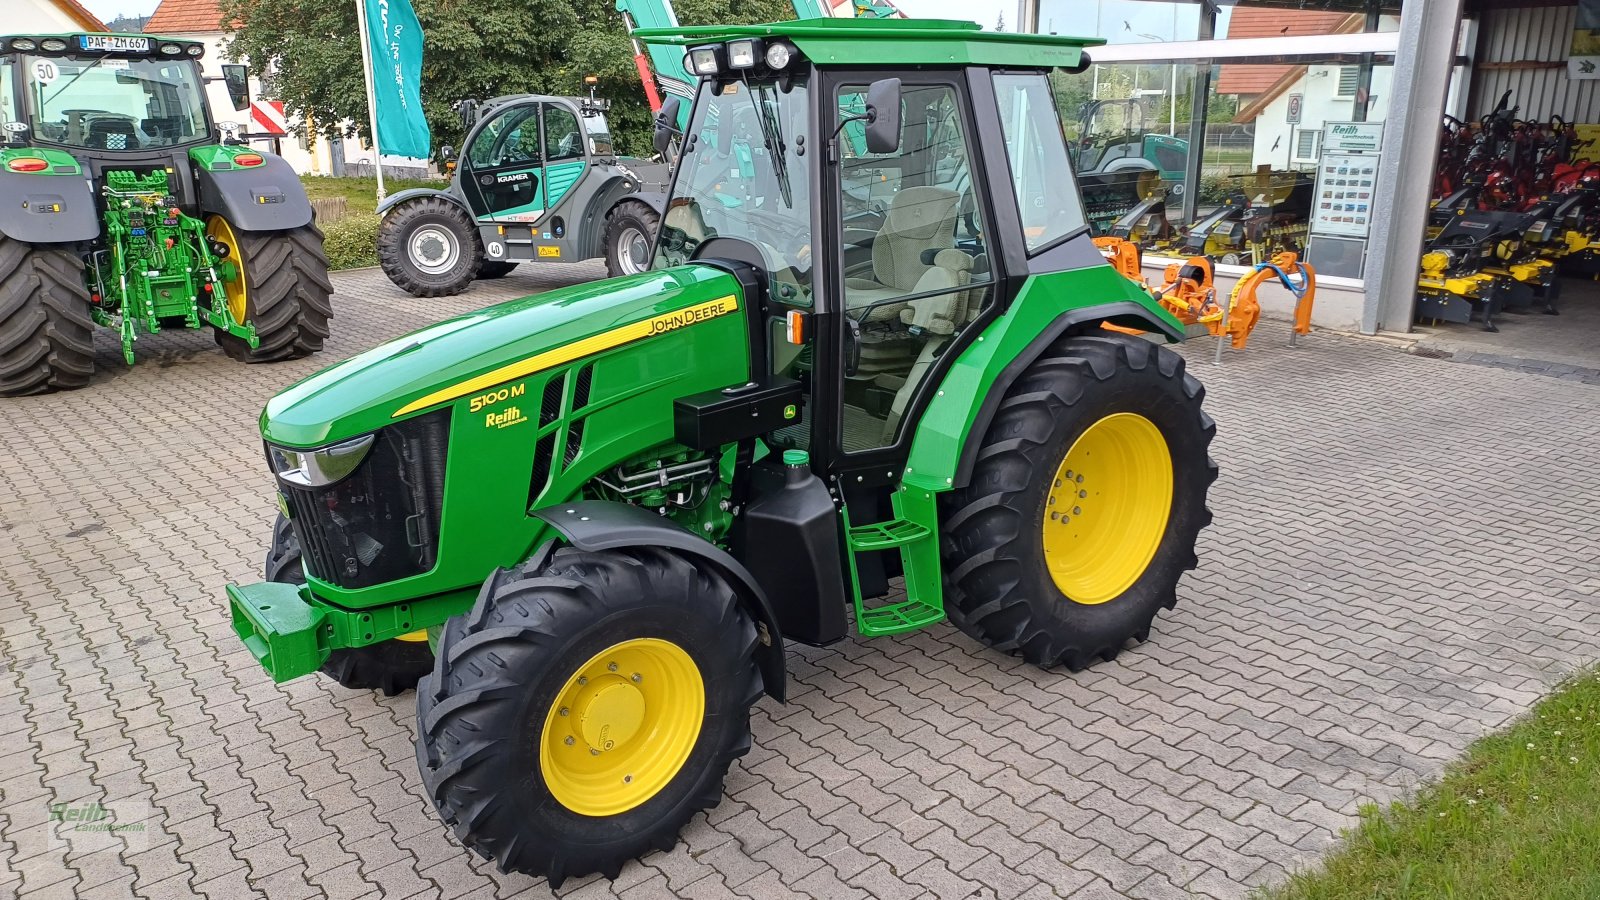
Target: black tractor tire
<point>628,221</point>
<point>289,298</point>
<point>1001,589</point>
<point>391,667</point>
<point>482,714</point>
<point>490,269</point>
<point>46,334</point>
<point>452,226</point>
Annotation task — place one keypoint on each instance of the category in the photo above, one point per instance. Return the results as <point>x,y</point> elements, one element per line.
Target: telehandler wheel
<point>586,708</point>
<point>429,247</point>
<point>280,286</point>
<point>490,269</point>
<point>630,237</point>
<point>46,334</point>
<point>391,667</point>
<point>1084,505</point>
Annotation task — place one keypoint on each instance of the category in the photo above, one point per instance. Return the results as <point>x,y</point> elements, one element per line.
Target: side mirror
<point>447,153</point>
<point>666,124</point>
<point>883,116</point>
<point>230,133</point>
<point>237,79</point>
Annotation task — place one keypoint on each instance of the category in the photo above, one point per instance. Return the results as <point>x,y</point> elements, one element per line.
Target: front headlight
<point>322,466</point>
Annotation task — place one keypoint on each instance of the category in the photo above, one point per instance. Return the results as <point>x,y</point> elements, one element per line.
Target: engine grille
<point>381,522</point>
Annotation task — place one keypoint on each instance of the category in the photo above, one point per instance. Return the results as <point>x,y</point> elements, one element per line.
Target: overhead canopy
<point>934,42</point>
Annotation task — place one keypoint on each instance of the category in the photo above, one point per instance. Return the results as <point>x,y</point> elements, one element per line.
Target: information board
<point>1344,193</point>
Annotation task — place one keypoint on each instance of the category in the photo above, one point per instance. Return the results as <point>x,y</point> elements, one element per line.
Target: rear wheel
<point>586,707</point>
<point>429,247</point>
<point>1085,503</point>
<point>630,237</point>
<point>391,667</point>
<point>46,334</point>
<point>280,285</point>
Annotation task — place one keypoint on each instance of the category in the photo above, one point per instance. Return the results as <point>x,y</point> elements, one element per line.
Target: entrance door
<point>504,164</point>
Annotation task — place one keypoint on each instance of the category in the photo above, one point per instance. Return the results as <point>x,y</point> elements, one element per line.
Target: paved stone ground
<point>1403,558</point>
<point>1564,346</point>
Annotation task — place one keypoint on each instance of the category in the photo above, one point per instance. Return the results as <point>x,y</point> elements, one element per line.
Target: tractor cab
<point>862,379</point>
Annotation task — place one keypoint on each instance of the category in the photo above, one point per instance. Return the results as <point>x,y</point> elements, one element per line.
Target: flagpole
<point>372,101</point>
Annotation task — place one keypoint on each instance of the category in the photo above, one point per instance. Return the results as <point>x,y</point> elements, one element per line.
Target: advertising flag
<point>395,41</point>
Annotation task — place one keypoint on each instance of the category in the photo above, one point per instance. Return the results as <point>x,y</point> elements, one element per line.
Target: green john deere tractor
<point>120,205</point>
<point>610,506</point>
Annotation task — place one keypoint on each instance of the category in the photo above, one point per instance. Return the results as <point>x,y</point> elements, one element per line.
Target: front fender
<point>268,197</point>
<point>394,200</point>
<point>605,525</point>
<point>50,207</point>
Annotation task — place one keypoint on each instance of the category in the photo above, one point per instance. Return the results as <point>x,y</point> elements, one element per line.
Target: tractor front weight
<point>156,265</point>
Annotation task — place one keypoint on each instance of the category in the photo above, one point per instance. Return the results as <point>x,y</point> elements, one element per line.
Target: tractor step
<point>912,533</point>
<point>886,535</point>
<point>895,618</point>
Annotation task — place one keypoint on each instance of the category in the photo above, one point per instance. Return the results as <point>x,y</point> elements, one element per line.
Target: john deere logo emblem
<point>790,412</point>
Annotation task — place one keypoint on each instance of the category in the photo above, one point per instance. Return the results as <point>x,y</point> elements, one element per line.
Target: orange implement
<point>1243,309</point>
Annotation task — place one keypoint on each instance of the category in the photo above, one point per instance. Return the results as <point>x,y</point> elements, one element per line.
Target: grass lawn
<point>360,193</point>
<point>1517,818</point>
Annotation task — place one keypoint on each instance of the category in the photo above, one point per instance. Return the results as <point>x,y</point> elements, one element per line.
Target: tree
<point>471,49</point>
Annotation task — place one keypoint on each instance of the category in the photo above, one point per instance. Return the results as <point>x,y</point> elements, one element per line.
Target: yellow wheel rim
<point>622,726</point>
<point>1107,508</point>
<point>218,229</point>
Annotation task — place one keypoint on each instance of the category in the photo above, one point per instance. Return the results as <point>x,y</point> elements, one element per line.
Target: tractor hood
<point>457,357</point>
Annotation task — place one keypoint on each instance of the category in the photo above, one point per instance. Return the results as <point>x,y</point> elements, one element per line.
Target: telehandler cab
<point>611,505</point>
<point>121,205</point>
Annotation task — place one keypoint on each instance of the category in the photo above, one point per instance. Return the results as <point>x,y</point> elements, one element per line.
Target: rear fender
<point>50,207</point>
<point>604,525</point>
<point>268,197</point>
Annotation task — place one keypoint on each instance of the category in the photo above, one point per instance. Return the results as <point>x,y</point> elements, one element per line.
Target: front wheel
<point>586,708</point>
<point>46,333</point>
<point>390,666</point>
<point>630,237</point>
<point>280,285</point>
<point>1085,503</point>
<point>429,247</point>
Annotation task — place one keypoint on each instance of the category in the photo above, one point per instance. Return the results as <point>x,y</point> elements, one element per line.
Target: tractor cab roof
<point>926,42</point>
<point>97,44</point>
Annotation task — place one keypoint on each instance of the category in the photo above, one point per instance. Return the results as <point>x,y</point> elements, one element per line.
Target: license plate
<point>114,43</point>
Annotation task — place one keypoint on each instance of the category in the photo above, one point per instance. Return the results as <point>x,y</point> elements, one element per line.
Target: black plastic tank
<point>788,537</point>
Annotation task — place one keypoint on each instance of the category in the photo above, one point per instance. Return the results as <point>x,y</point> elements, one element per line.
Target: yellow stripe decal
<point>589,346</point>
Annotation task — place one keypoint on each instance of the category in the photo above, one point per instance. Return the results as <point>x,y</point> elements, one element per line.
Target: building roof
<point>938,42</point>
<point>185,17</point>
<point>1246,22</point>
<point>83,17</point>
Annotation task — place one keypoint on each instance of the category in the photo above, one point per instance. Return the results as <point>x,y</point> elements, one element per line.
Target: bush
<point>351,241</point>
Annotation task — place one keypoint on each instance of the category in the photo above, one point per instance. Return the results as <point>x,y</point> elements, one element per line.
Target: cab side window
<point>563,138</point>
<point>916,270</point>
<point>511,137</point>
<point>1041,175</point>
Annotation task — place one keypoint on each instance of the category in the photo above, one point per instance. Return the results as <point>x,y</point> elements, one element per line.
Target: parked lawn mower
<point>611,505</point>
<point>124,207</point>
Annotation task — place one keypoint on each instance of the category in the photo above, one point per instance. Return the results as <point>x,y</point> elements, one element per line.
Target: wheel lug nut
<point>593,752</point>
<point>582,679</point>
<point>1080,479</point>
<point>571,740</point>
<point>627,779</point>
<point>637,678</point>
<point>1077,511</point>
<point>1082,494</point>
<point>612,667</point>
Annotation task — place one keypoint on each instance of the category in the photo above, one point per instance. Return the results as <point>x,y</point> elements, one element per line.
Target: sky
<point>107,10</point>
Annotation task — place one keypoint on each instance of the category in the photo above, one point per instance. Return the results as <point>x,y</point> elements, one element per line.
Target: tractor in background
<point>122,206</point>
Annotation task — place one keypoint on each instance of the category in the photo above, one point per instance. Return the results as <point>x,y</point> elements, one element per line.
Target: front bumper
<point>291,632</point>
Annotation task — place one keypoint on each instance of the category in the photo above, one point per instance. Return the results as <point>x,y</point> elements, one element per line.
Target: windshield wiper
<point>773,135</point>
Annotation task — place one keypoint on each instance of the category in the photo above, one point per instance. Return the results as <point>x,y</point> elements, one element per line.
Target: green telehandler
<point>121,205</point>
<point>608,507</point>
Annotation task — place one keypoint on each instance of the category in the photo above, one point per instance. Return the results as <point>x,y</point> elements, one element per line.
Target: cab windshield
<point>115,103</point>
<point>743,176</point>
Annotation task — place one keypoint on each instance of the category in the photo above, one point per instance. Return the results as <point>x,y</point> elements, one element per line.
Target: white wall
<point>37,16</point>
<point>1320,86</point>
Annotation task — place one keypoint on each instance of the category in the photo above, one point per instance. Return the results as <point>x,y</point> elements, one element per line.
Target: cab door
<point>505,166</point>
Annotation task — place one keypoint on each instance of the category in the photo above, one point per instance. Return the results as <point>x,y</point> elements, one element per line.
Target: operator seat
<point>918,219</point>
<point>112,134</point>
